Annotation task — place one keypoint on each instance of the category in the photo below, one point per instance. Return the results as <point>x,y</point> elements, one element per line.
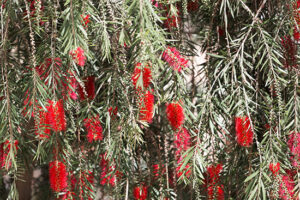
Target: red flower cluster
<point>94,128</point>
<point>243,131</point>
<point>105,170</point>
<point>143,74</point>
<point>85,20</point>
<point>182,141</point>
<point>172,56</point>
<point>4,151</point>
<point>214,189</point>
<point>294,146</point>
<point>140,192</point>
<point>85,182</point>
<point>73,86</point>
<point>175,115</point>
<point>296,12</point>
<point>113,111</point>
<point>286,187</point>
<point>274,168</point>
<point>88,92</point>
<point>146,105</point>
<point>53,118</point>
<point>289,52</point>
<point>186,170</point>
<point>78,56</point>
<point>57,176</point>
<point>193,5</point>
<point>33,7</point>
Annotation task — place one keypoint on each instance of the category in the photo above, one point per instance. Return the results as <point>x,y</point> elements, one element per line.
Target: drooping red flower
<point>73,84</point>
<point>294,146</point>
<point>56,115</point>
<point>182,142</point>
<point>172,21</point>
<point>175,115</point>
<point>113,111</point>
<point>146,106</point>
<point>274,168</point>
<point>243,131</point>
<point>215,190</point>
<point>289,51</point>
<point>94,128</point>
<point>105,170</point>
<point>88,92</point>
<point>85,20</point>
<point>214,173</point>
<point>180,171</point>
<point>286,187</point>
<point>5,148</point>
<point>140,192</point>
<point>57,176</point>
<point>42,124</point>
<point>296,34</point>
<point>172,56</point>
<point>141,73</point>
<point>78,56</point>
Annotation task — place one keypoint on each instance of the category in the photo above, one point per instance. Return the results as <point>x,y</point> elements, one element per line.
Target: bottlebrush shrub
<point>78,56</point>
<point>274,168</point>
<point>146,106</point>
<point>172,56</point>
<point>289,52</point>
<point>4,151</point>
<point>243,131</point>
<point>175,115</point>
<point>141,73</point>
<point>57,176</point>
<point>140,192</point>
<point>294,146</point>
<point>94,129</point>
<point>88,92</point>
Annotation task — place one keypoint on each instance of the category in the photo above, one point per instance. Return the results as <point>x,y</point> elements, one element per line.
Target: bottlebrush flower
<point>175,115</point>
<point>140,192</point>
<point>57,176</point>
<point>286,188</point>
<point>289,52</point>
<point>94,128</point>
<point>172,21</point>
<point>274,168</point>
<point>4,151</point>
<point>89,88</point>
<point>243,131</point>
<point>42,125</point>
<point>113,111</point>
<point>143,73</point>
<point>85,20</point>
<point>78,56</point>
<point>72,89</point>
<point>105,170</point>
<point>192,6</point>
<point>296,34</point>
<point>180,171</point>
<point>214,189</point>
<point>294,146</point>
<point>146,106</point>
<point>182,141</point>
<point>214,173</point>
<point>172,56</point>
<point>56,114</point>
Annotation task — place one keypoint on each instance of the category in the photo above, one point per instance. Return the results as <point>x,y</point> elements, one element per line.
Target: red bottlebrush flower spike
<point>4,151</point>
<point>89,89</point>
<point>140,192</point>
<point>172,21</point>
<point>85,20</point>
<point>182,142</point>
<point>146,105</point>
<point>289,52</point>
<point>214,189</point>
<point>274,168</point>
<point>286,187</point>
<point>42,127</point>
<point>244,132</point>
<point>73,86</point>
<point>175,115</point>
<point>57,176</point>
<point>56,114</point>
<point>78,56</point>
<point>144,73</point>
<point>192,6</point>
<point>214,173</point>
<point>94,129</point>
<point>105,170</point>
<point>186,170</point>
<point>296,34</point>
<point>294,146</point>
<point>175,60</point>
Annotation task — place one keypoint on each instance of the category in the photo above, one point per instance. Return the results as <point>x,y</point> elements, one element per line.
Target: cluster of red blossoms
<point>294,146</point>
<point>105,170</point>
<point>33,7</point>
<point>58,176</point>
<point>274,168</point>
<point>175,115</point>
<point>85,188</point>
<point>289,52</point>
<point>88,91</point>
<point>53,118</point>
<point>286,187</point>
<point>296,12</point>
<point>78,56</point>
<point>85,20</point>
<point>172,56</point>
<point>94,128</point>
<point>243,131</point>
<point>140,192</point>
<point>214,189</point>
<point>141,80</point>
<point>182,143</point>
<point>4,151</point>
